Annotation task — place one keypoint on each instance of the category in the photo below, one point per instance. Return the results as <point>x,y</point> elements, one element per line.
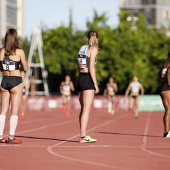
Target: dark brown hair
<point>11,42</point>
<point>92,33</point>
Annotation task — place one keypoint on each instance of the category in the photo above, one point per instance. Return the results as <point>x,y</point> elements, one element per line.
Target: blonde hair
<point>92,37</point>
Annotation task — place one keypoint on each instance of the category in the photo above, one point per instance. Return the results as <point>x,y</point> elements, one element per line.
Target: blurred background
<point>134,38</point>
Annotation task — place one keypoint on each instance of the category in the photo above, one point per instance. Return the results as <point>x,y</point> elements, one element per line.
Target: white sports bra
<point>83,58</point>
<point>135,86</point>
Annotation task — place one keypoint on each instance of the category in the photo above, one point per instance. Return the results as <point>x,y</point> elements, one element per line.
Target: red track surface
<point>51,142</point>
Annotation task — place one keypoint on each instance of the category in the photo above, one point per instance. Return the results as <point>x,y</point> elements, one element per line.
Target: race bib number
<point>8,65</point>
<point>82,61</point>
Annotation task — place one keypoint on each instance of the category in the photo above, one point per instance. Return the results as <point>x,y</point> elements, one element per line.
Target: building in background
<point>157,12</point>
<point>11,16</point>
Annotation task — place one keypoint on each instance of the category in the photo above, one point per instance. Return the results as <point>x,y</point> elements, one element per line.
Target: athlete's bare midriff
<point>12,73</point>
<point>84,70</point>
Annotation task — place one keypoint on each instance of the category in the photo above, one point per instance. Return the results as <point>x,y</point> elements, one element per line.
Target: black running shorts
<point>164,87</point>
<point>9,82</point>
<point>84,82</point>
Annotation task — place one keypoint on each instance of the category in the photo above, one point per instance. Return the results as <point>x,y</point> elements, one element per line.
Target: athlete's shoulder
<point>83,48</point>
<point>94,49</point>
<point>131,83</point>
<point>20,52</point>
<point>2,52</point>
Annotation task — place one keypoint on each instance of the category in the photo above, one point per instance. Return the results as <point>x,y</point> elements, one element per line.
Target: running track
<point>51,142</point>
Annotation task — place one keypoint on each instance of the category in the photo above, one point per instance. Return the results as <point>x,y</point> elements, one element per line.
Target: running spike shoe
<point>22,117</point>
<point>112,112</point>
<point>109,111</point>
<point>167,135</point>
<point>2,140</point>
<point>14,141</point>
<point>87,139</point>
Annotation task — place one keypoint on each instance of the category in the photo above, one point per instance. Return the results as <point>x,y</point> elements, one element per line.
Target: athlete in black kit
<point>164,77</point>
<point>86,82</point>
<point>11,56</point>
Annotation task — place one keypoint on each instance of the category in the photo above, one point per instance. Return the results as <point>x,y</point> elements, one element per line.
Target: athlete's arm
<point>1,69</point>
<point>142,89</point>
<point>71,86</point>
<point>105,92</point>
<point>93,53</point>
<point>61,87</point>
<point>168,73</point>
<point>127,90</point>
<point>115,87</point>
<point>23,60</point>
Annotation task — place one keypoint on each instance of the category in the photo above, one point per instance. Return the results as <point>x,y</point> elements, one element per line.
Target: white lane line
<point>50,148</point>
<point>143,147</point>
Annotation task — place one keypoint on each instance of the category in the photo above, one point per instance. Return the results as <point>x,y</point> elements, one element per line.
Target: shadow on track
<point>32,137</point>
<point>128,134</point>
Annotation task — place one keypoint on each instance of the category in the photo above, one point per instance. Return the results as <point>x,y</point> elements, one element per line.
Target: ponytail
<point>93,42</point>
<point>92,39</point>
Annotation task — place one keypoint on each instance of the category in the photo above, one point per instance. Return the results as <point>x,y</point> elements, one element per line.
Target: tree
<point>130,49</point>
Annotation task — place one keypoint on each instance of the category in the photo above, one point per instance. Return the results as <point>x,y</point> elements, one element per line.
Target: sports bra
<point>110,88</point>
<point>66,86</point>
<point>10,65</point>
<point>135,86</point>
<point>83,58</point>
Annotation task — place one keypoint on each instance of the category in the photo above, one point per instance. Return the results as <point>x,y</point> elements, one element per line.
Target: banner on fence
<point>147,103</point>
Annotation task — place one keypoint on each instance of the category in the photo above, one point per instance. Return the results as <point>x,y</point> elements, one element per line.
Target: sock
<point>2,124</point>
<point>110,105</point>
<point>82,137</point>
<point>13,124</point>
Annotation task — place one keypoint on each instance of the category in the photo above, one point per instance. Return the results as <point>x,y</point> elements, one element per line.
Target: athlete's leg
<point>23,104</point>
<point>131,103</point>
<point>86,98</point>
<point>16,96</point>
<point>165,95</point>
<point>68,104</point>
<point>137,107</point>
<point>64,103</point>
<point>68,107</point>
<point>109,104</point>
<point>5,96</point>
<point>81,106</point>
<point>113,106</point>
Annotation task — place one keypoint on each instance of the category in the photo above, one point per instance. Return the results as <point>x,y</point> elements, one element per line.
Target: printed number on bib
<point>82,61</point>
<point>8,65</point>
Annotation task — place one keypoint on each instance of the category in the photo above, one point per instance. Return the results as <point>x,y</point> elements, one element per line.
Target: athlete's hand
<point>96,89</point>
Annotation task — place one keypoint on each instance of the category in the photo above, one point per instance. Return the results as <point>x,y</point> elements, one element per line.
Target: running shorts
<point>164,87</point>
<point>84,82</point>
<point>9,82</point>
